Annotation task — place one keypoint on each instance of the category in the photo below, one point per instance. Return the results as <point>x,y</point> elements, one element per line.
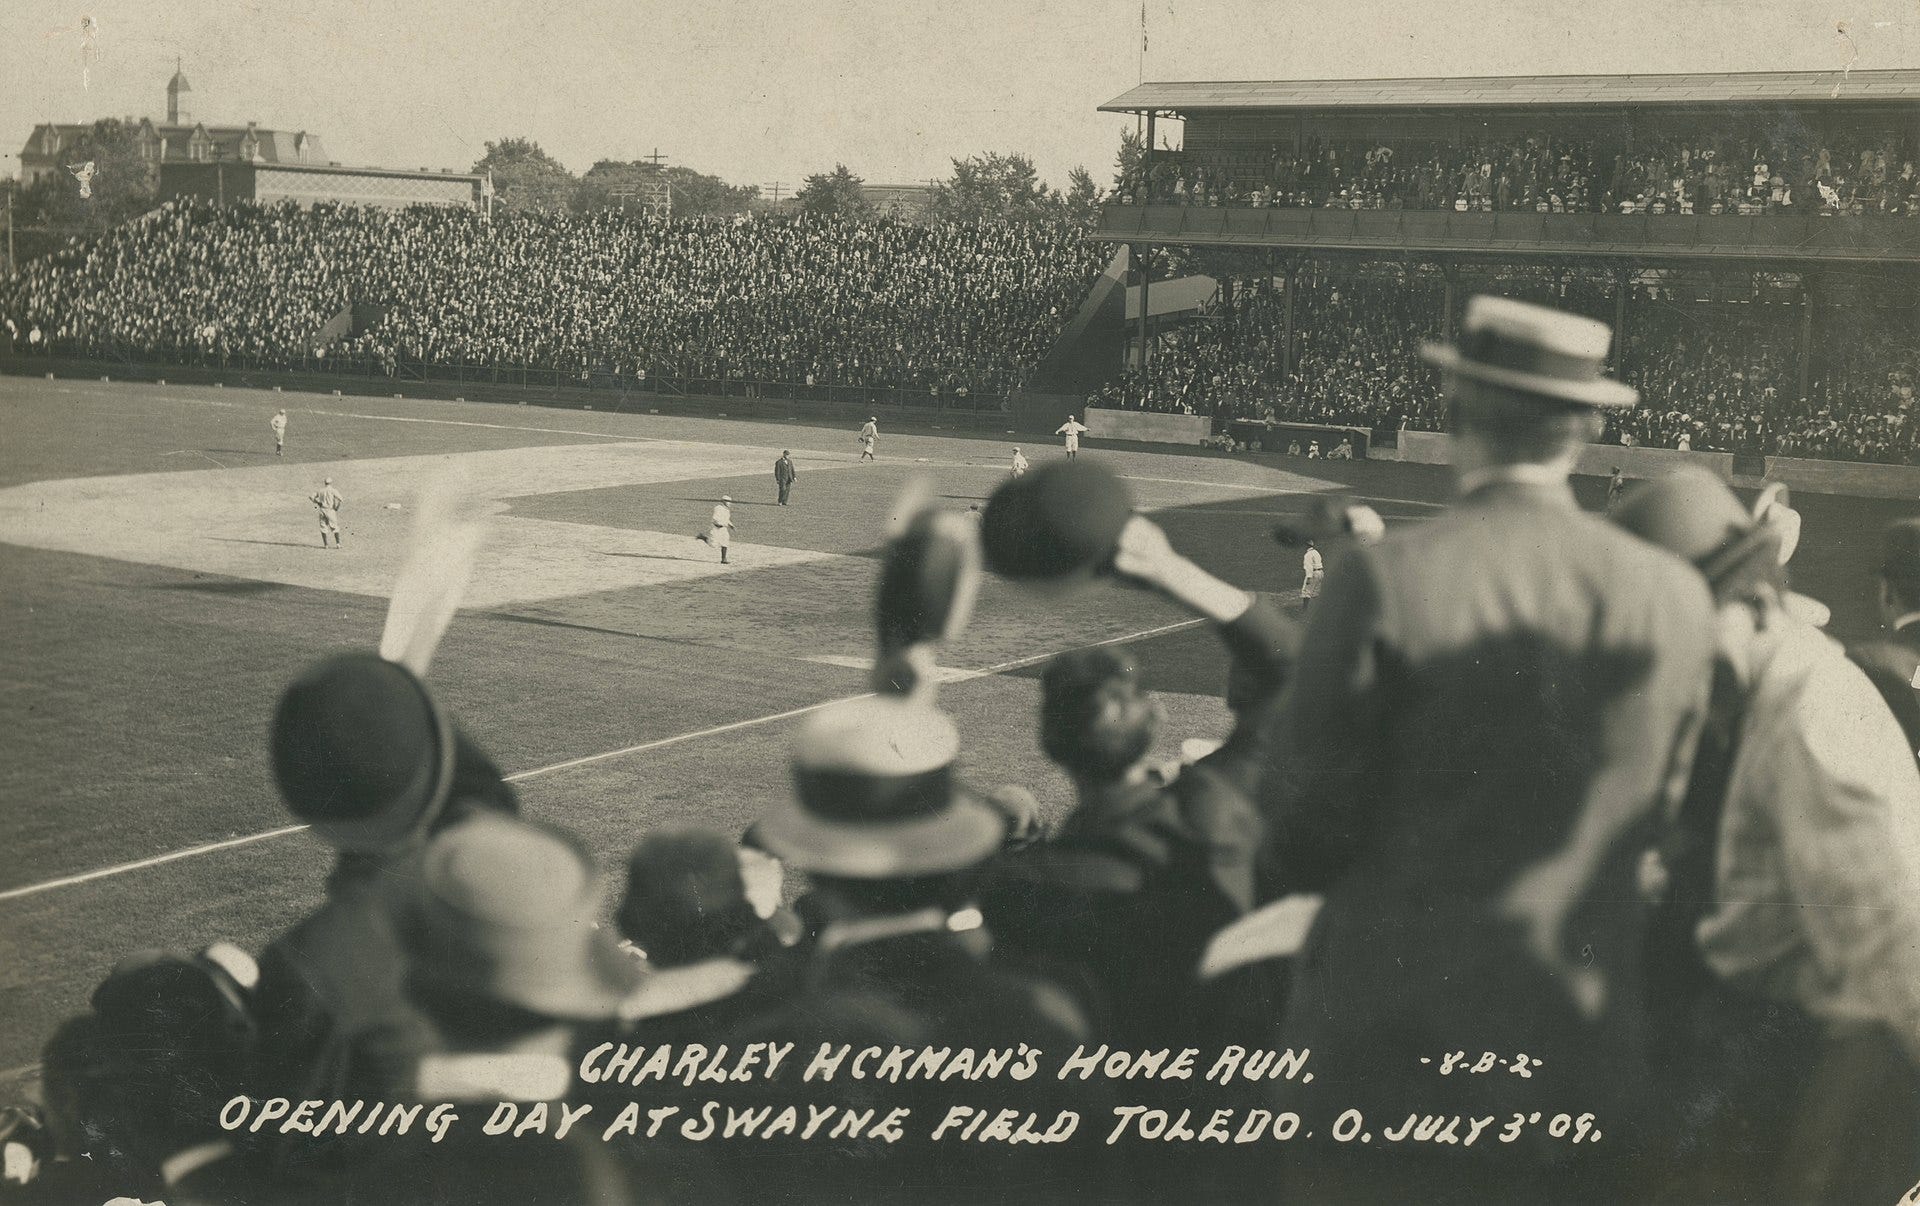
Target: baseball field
<point>164,579</point>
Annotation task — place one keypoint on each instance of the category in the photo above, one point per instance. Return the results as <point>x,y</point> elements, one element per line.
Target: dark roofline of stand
<point>1892,85</point>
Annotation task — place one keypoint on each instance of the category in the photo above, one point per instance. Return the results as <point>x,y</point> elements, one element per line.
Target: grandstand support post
<point>1286,343</point>
<point>1809,298</point>
<point>1621,287</point>
<point>1451,273</point>
<point>1144,257</point>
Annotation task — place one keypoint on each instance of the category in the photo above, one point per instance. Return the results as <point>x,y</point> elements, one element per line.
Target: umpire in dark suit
<point>1489,713</point>
<point>783,475</point>
<point>1892,660</point>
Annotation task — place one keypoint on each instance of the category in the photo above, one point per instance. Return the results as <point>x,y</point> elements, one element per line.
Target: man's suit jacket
<point>1489,715</point>
<point>1892,662</point>
<point>783,471</point>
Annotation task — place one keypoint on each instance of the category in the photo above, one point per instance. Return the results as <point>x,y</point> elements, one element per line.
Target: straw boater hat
<point>1533,350</point>
<point>362,752</point>
<point>876,796</point>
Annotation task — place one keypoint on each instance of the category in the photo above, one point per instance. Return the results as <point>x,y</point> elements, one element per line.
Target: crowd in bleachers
<point>1386,857</point>
<point>1703,174</point>
<point>1713,377</point>
<point>798,300</point>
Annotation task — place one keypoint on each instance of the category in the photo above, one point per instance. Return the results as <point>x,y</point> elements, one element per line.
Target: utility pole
<point>656,159</point>
<point>773,191</point>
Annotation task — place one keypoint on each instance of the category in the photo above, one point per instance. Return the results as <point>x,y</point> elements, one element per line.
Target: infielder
<point>328,500</point>
<point>279,425</point>
<point>720,534</point>
<point>868,434</point>
<point>1071,429</point>
<point>1019,464</point>
<point>1312,571</point>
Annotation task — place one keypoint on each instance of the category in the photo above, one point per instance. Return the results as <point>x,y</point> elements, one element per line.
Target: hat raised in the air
<point>876,796</point>
<point>1533,350</point>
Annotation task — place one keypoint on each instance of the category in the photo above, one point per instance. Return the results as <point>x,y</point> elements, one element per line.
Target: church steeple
<point>177,87</point>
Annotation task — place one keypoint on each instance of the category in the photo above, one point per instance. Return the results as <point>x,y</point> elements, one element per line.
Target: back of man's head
<point>1515,428</point>
<point>1094,719</point>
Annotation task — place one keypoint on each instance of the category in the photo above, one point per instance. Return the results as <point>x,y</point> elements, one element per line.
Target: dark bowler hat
<point>876,796</point>
<point>1062,519</point>
<point>1533,350</point>
<point>508,913</point>
<point>362,752</point>
<point>1695,515</point>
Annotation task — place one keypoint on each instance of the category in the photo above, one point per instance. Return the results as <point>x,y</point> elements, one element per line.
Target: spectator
<point>1892,661</point>
<point>365,754</point>
<point>901,953</point>
<point>1448,679</point>
<point>1125,894</point>
<point>1811,924</point>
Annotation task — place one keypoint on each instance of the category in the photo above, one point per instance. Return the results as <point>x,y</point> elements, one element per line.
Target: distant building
<point>179,139</point>
<point>306,183</point>
<point>908,202</point>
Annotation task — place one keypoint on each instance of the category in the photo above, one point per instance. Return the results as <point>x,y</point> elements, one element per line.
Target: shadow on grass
<point>240,587</point>
<point>285,544</point>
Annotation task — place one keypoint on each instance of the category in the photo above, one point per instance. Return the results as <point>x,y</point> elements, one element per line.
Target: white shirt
<point>1019,463</point>
<point>1819,860</point>
<point>1071,429</point>
<point>278,423</point>
<point>722,516</point>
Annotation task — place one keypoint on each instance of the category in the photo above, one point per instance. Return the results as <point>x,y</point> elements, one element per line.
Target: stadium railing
<point>1786,236</point>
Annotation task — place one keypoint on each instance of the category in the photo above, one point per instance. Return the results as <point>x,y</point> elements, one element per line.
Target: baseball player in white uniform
<point>1312,571</point>
<point>1071,429</point>
<point>720,534</point>
<point>1019,463</point>
<point>328,500</point>
<point>279,424</point>
<point>869,432</point>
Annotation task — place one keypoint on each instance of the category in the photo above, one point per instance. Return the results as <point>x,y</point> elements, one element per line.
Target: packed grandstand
<point>915,311</point>
<point>1707,174</point>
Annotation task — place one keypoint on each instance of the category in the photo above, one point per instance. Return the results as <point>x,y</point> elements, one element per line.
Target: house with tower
<point>182,137</point>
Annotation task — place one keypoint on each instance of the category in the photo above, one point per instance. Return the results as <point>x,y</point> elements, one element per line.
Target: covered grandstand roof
<point>1497,91</point>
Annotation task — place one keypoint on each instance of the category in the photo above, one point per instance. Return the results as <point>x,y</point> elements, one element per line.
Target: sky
<point>759,92</point>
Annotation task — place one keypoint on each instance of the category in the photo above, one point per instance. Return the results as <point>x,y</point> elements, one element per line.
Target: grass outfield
<point>148,623</point>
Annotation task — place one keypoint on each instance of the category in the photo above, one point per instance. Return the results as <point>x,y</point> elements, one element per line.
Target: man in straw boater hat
<point>364,754</point>
<point>1488,709</point>
<point>900,955</point>
<point>1789,889</point>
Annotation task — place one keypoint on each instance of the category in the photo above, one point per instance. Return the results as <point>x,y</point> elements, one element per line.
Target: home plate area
<point>257,523</point>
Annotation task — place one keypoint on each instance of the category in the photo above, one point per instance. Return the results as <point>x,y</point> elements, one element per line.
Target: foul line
<point>520,776</point>
<point>142,864</point>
